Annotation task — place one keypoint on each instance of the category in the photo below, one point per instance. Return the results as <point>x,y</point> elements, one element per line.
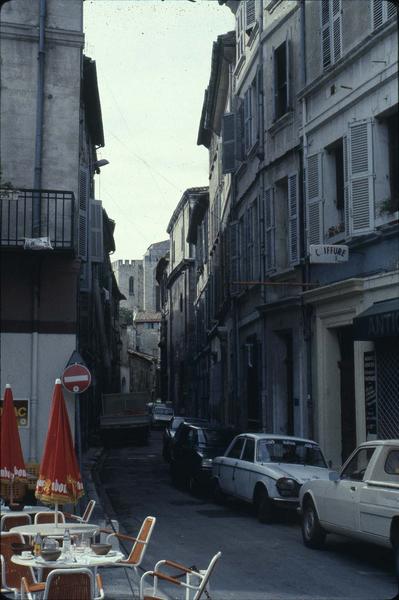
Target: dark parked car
<point>161,415</point>
<point>168,436</point>
<point>194,447</point>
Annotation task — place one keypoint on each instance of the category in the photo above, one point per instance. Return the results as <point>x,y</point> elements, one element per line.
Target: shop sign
<point>21,408</point>
<point>370,395</point>
<point>328,253</point>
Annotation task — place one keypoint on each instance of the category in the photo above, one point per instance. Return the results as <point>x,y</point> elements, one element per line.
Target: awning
<point>380,320</point>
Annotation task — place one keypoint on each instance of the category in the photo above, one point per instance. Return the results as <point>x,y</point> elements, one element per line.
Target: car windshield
<point>160,410</point>
<point>290,451</point>
<point>214,437</point>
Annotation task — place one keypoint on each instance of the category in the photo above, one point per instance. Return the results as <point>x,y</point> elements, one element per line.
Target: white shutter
<point>234,257</point>
<point>228,137</point>
<point>270,228</point>
<point>293,221</point>
<point>336,29</point>
<point>346,185</point>
<point>249,14</point>
<point>378,17</point>
<point>325,33</point>
<point>361,180</point>
<point>84,183</point>
<point>96,231</point>
<point>314,206</point>
<point>392,9</point>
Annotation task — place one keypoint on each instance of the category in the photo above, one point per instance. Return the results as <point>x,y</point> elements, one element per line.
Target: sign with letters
<point>328,253</point>
<point>21,411</point>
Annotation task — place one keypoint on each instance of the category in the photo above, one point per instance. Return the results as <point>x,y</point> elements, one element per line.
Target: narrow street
<point>259,562</point>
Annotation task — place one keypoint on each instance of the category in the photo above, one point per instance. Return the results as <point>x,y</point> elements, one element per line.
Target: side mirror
<point>333,476</point>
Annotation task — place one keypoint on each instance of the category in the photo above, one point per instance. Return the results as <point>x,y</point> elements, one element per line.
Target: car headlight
<point>206,463</point>
<point>287,487</point>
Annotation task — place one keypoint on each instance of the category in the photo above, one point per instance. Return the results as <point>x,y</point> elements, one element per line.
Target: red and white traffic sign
<point>76,378</point>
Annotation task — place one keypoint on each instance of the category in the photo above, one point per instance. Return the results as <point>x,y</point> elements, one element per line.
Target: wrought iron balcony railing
<point>28,215</point>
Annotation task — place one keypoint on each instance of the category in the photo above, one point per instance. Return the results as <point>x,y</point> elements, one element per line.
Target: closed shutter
<point>249,14</point>
<point>228,155</point>
<point>361,180</point>
<point>346,185</point>
<point>274,85</point>
<point>337,29</point>
<point>270,228</point>
<point>378,18</point>
<point>234,255</point>
<point>293,223</point>
<point>83,210</point>
<point>392,10</point>
<point>248,119</point>
<point>314,207</point>
<point>262,235</point>
<point>239,122</point>
<point>325,33</point>
<point>96,231</point>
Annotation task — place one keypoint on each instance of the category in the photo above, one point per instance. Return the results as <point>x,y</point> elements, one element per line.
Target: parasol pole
<point>12,488</point>
<point>56,514</point>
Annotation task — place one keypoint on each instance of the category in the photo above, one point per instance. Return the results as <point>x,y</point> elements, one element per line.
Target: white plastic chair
<point>85,518</point>
<point>194,581</point>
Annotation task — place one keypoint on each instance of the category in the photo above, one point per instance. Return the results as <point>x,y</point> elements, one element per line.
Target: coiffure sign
<point>21,408</point>
<point>328,253</point>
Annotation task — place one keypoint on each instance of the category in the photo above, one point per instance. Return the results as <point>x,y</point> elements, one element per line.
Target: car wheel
<point>312,532</point>
<point>217,494</point>
<point>264,507</point>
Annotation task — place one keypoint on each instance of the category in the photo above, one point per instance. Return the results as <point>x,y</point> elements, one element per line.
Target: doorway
<point>347,391</point>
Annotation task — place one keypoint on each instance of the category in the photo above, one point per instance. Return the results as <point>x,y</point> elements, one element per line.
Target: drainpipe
<point>37,184</point>
<point>306,311</point>
<point>34,367</point>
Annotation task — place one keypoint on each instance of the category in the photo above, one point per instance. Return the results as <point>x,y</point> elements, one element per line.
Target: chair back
<point>48,517</point>
<point>88,511</point>
<point>139,547</point>
<point>9,521</point>
<point>74,584</point>
<point>13,573</point>
<point>206,576</point>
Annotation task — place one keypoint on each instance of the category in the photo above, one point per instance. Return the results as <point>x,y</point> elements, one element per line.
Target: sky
<point>153,62</point>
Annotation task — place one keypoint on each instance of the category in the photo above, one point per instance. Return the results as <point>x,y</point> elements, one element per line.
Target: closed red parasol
<point>59,479</point>
<point>12,466</point>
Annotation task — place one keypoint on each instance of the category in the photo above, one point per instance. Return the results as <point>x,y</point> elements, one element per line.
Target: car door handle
<point>353,488</point>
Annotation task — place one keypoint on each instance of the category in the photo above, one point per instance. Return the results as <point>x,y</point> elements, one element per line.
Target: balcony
<point>54,229</point>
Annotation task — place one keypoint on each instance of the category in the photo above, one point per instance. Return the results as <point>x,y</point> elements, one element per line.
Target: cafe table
<point>74,560</point>
<point>53,530</point>
<point>26,510</point>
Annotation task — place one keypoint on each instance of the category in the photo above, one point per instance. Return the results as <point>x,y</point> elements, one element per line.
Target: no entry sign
<point>76,378</point>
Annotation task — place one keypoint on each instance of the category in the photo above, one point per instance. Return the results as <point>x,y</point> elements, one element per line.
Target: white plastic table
<point>51,529</point>
<point>27,510</point>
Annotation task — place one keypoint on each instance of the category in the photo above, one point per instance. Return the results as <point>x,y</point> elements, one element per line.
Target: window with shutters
<point>334,189</point>
<point>83,211</point>
<point>382,11</point>
<point>269,229</point>
<point>250,116</point>
<point>251,217</point>
<point>281,224</point>
<point>281,76</point>
<point>240,31</point>
<point>331,31</point>
<point>250,14</point>
<point>234,257</point>
<point>293,220</point>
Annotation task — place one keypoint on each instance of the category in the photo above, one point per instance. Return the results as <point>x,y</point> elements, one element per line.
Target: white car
<point>267,470</point>
<point>360,502</point>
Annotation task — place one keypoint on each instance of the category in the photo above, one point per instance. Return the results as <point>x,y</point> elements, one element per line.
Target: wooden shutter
<point>96,231</point>
<point>248,119</point>
<point>234,257</point>
<point>361,180</point>
<point>249,14</point>
<point>392,10</point>
<point>314,212</point>
<point>325,33</point>
<point>336,29</point>
<point>228,136</point>
<point>293,220</point>
<point>346,186</point>
<point>84,183</point>
<point>378,17</point>
<point>270,228</point>
<point>274,85</point>
<point>239,118</point>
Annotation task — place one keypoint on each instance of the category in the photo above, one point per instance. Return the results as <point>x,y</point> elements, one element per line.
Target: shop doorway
<point>347,391</point>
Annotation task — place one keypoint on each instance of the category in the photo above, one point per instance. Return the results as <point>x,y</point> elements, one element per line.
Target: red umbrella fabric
<point>12,465</point>
<point>59,481</point>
